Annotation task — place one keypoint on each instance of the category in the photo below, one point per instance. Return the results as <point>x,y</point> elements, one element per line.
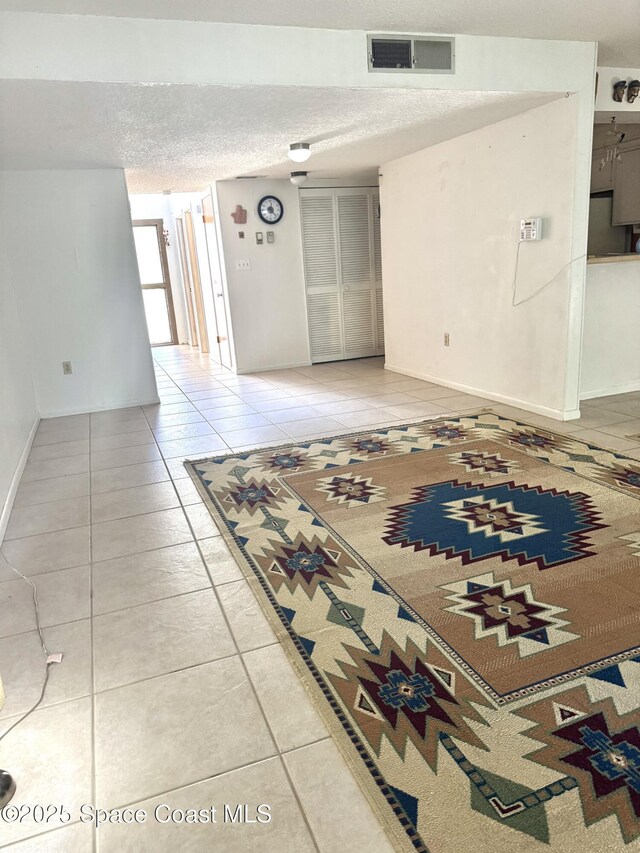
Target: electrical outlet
<point>243,265</point>
<point>66,368</point>
<point>446,339</point>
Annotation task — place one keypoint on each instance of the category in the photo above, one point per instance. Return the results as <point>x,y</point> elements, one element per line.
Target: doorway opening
<point>154,280</point>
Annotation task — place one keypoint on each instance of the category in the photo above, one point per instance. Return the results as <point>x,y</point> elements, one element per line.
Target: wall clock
<point>270,209</point>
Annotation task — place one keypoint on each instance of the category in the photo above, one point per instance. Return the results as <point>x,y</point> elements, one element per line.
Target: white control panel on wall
<point>531,229</point>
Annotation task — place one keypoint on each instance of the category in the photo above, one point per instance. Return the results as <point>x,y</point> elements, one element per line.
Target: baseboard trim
<point>263,369</point>
<point>15,480</point>
<point>556,414</point>
<point>82,410</point>
<point>625,388</point>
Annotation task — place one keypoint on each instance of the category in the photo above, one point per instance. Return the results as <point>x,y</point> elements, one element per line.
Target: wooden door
<point>219,299</point>
<point>198,303</point>
<point>200,242</point>
<point>186,282</point>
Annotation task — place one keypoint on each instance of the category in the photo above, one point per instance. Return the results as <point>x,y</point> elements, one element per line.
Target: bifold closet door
<point>320,250</point>
<point>340,228</point>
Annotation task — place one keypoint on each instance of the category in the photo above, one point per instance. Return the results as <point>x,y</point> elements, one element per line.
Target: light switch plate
<point>271,237</point>
<point>259,238</point>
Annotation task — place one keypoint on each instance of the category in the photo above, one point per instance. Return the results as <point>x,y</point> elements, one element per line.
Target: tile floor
<point>172,689</point>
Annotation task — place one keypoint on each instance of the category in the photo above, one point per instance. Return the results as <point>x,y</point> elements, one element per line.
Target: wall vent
<point>432,55</point>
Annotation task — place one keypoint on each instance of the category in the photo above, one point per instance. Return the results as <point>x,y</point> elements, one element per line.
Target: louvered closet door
<point>344,297</point>
<point>354,247</point>
<point>321,275</point>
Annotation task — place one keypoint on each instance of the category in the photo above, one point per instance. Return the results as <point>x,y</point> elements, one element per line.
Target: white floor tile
<point>159,637</point>
<point>63,596</point>
<point>290,711</point>
<point>139,578</point>
<point>23,667</point>
<point>248,623</point>
<point>139,533</point>
<point>48,552</point>
<point>49,755</point>
<point>175,730</point>
<point>48,517</point>
<point>320,776</point>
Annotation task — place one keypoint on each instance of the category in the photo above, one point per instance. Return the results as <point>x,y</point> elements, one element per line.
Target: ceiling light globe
<point>299,152</point>
<point>298,178</point>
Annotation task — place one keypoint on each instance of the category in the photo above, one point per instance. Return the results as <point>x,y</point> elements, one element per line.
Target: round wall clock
<point>270,209</point>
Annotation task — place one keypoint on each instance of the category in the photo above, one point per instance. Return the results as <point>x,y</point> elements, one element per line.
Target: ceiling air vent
<point>433,55</point>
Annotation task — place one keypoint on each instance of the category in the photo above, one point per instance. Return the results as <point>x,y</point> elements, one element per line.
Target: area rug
<point>462,599</point>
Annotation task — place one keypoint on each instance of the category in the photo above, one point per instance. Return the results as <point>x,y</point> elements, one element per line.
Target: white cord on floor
<point>48,662</point>
<point>544,286</point>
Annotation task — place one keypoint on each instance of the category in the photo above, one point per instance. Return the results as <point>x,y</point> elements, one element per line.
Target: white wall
<point>18,415</point>
<point>166,207</point>
<point>450,225</point>
<point>71,256</point>
<point>611,343</point>
<point>267,303</point>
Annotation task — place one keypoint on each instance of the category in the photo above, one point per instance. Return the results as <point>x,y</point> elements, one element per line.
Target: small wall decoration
<point>165,236</point>
<point>633,91</point>
<point>239,215</point>
<point>618,91</point>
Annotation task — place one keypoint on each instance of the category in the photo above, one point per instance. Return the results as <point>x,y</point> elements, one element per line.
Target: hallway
<point>173,688</point>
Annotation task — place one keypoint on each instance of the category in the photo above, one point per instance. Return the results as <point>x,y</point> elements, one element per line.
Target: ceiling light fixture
<point>299,152</point>
<point>298,178</point>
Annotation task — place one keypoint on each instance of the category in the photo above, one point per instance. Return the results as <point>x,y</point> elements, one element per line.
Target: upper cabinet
<point>626,186</point>
<point>617,168</point>
<point>602,170</point>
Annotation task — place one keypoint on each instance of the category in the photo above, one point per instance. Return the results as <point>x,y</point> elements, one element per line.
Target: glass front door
<point>154,279</point>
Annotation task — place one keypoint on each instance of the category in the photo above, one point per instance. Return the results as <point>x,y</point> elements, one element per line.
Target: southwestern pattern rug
<point>462,599</point>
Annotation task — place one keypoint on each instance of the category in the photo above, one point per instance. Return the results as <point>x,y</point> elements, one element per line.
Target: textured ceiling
<point>616,26</point>
<point>183,137</point>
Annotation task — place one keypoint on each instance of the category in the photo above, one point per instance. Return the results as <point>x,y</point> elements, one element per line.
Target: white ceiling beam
<point>100,49</point>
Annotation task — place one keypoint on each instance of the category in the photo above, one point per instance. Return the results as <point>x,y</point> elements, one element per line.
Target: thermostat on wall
<point>531,229</point>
